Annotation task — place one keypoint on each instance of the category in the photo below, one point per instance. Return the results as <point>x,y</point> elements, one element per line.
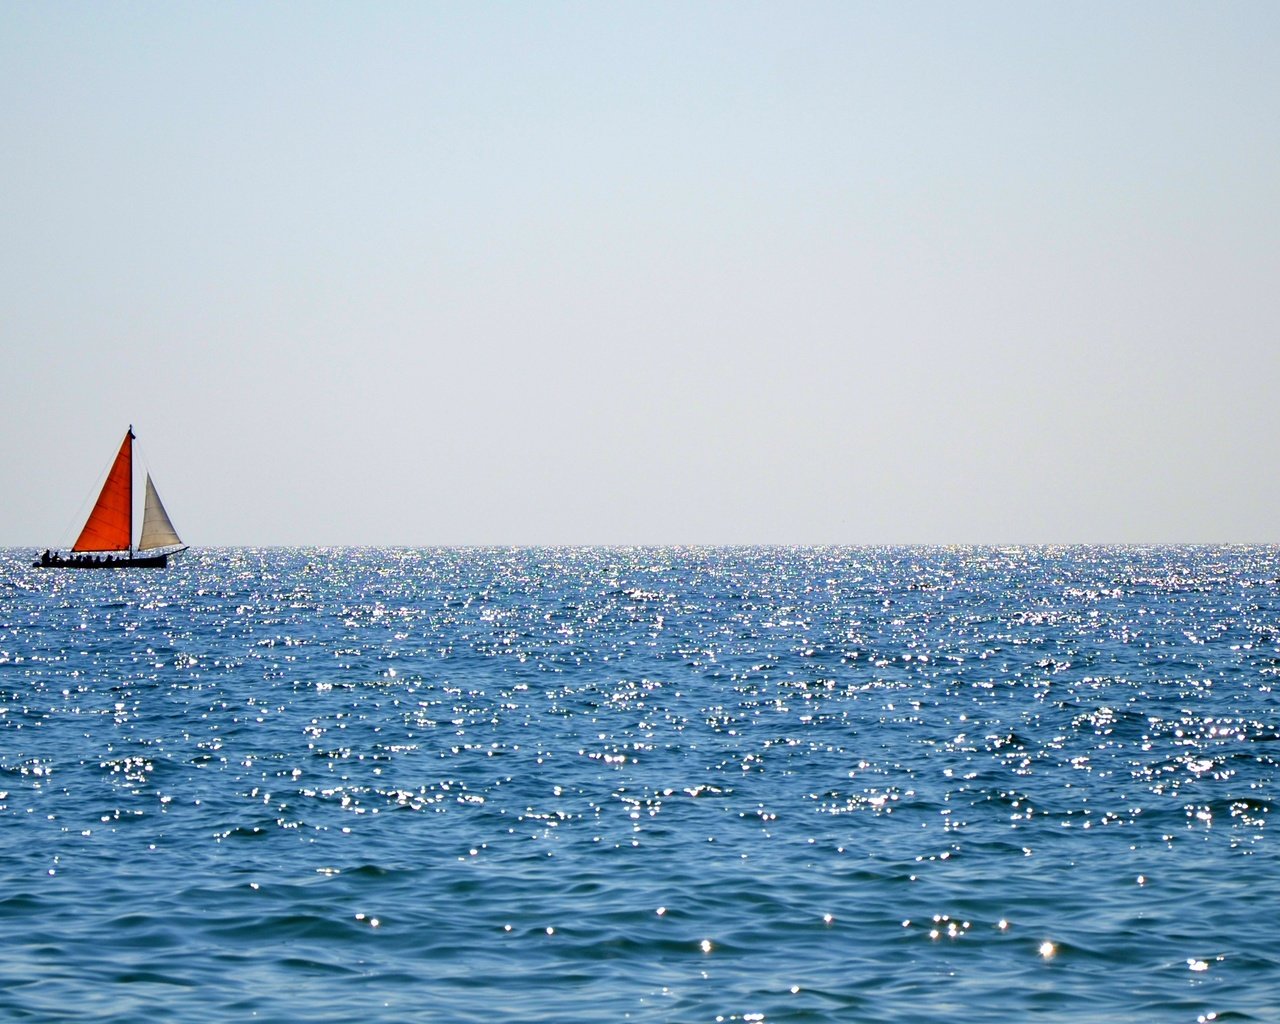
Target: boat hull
<point>103,562</point>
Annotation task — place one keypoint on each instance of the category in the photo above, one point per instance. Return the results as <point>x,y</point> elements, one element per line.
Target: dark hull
<point>103,562</point>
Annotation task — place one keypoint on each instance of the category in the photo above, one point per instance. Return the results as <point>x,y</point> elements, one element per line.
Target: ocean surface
<point>646,784</point>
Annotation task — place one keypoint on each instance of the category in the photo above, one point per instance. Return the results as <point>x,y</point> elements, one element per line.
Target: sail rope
<point>70,532</point>
<point>144,465</point>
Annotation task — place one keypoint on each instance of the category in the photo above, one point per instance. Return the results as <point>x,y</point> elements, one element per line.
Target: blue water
<point>952,784</point>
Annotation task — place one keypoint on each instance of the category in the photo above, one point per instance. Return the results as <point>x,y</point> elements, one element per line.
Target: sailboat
<point>106,542</point>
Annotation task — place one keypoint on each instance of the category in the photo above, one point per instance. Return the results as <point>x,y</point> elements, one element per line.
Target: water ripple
<point>667,784</point>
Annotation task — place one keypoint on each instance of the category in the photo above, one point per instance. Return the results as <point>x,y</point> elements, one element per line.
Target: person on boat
<point>44,558</point>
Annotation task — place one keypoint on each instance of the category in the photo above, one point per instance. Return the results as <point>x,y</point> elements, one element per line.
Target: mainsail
<point>157,530</point>
<point>110,525</point>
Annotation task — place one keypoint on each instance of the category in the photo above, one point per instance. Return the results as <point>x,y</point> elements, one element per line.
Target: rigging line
<point>140,493</point>
<point>142,469</point>
<point>81,515</point>
<point>139,457</point>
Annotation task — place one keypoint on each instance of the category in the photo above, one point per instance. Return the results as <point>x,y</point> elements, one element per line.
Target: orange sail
<point>110,525</point>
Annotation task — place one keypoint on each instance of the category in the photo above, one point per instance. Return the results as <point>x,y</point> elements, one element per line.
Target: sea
<point>690,784</point>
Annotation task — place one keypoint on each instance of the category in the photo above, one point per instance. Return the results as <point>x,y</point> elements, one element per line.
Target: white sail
<point>157,530</point>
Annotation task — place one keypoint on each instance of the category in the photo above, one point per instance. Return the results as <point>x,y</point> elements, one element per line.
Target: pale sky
<point>582,273</point>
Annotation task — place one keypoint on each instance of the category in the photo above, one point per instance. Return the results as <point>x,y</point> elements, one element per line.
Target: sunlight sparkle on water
<point>490,740</point>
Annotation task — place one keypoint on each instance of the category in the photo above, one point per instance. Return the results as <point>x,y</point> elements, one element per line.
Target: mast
<point>131,439</point>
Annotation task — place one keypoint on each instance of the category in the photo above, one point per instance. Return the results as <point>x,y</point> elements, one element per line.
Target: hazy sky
<point>540,273</point>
